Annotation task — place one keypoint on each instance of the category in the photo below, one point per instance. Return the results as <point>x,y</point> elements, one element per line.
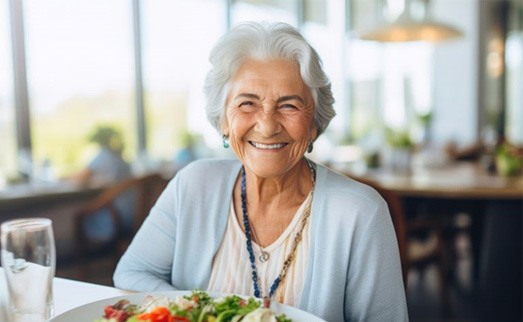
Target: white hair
<point>265,41</point>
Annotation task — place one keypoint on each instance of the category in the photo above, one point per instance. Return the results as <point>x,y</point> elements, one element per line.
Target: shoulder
<point>336,185</point>
<point>205,176</point>
<point>209,168</point>
<point>100,157</point>
<point>109,166</point>
<point>345,202</point>
<point>201,192</point>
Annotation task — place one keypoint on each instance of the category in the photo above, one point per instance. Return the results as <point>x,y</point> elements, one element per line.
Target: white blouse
<point>231,268</point>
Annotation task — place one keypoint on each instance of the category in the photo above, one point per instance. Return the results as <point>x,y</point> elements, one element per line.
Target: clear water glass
<point>29,262</point>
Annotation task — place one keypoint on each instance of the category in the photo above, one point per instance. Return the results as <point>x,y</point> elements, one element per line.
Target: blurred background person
<point>187,153</point>
<point>107,165</point>
<point>105,168</point>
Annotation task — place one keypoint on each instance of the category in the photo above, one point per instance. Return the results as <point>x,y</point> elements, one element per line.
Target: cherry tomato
<point>161,314</point>
<point>118,315</point>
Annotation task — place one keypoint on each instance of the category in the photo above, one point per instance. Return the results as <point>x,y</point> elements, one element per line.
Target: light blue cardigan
<point>353,272</point>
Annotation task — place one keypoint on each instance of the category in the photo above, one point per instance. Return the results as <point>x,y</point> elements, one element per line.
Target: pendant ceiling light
<point>407,28</point>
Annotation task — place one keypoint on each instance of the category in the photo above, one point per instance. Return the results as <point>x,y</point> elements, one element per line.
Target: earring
<point>225,141</point>
<point>309,149</point>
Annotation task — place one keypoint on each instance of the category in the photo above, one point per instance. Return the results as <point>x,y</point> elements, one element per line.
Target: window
<point>7,117</point>
<point>175,61</point>
<point>514,76</point>
<point>324,29</point>
<point>389,89</point>
<point>264,10</point>
<point>80,73</point>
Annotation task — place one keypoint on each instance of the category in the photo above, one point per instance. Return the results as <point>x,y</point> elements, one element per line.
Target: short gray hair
<point>265,41</point>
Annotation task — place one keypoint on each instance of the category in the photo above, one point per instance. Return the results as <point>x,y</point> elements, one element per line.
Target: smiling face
<point>269,116</point>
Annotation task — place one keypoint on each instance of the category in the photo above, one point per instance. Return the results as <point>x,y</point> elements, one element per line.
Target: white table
<point>68,294</point>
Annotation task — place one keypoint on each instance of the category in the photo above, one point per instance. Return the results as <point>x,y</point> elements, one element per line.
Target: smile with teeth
<point>267,146</point>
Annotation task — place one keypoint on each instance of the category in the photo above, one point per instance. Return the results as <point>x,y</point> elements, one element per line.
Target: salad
<point>196,307</point>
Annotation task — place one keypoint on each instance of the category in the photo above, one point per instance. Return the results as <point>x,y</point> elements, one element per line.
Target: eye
<point>288,106</point>
<point>246,104</point>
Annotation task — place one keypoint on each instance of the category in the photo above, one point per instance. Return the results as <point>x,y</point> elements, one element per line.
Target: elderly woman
<point>272,224</point>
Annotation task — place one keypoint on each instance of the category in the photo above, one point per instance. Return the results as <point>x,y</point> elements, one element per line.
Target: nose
<point>267,123</point>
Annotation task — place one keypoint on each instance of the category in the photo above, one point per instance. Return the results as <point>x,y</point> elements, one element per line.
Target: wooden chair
<point>413,256</point>
<point>400,227</point>
<point>145,191</point>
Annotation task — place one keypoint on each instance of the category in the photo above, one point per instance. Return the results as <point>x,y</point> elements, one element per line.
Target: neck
<point>293,185</point>
<point>271,204</point>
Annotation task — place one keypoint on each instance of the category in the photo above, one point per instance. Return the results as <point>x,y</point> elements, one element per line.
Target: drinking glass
<point>29,261</point>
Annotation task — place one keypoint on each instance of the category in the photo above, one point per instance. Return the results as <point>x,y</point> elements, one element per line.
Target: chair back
<point>398,219</point>
<point>143,190</point>
<point>412,257</point>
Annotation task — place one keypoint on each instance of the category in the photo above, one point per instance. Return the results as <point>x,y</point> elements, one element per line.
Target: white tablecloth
<point>68,294</point>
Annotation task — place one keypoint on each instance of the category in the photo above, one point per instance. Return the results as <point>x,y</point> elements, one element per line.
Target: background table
<point>495,206</point>
<point>459,180</point>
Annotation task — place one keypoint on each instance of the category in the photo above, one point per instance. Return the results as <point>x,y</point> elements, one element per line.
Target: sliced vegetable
<point>196,307</point>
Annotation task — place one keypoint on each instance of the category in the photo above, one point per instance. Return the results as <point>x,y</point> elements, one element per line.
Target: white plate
<point>92,311</point>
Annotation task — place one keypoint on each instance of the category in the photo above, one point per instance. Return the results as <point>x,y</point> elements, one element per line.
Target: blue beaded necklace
<point>248,235</point>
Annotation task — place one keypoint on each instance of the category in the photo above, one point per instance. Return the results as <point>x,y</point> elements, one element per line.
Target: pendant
<point>264,256</point>
<point>266,302</point>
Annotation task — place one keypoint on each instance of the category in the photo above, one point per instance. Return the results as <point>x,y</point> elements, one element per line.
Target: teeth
<point>268,146</point>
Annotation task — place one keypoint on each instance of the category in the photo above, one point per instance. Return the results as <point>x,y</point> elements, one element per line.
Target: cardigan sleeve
<point>374,273</point>
<point>148,262</point>
<point>174,248</point>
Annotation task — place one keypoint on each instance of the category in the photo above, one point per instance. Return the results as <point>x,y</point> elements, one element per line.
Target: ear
<point>224,127</point>
<point>314,132</point>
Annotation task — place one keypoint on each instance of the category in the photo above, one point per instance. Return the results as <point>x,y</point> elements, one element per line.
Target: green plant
<point>398,138</point>
<point>425,119</point>
<point>508,161</point>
